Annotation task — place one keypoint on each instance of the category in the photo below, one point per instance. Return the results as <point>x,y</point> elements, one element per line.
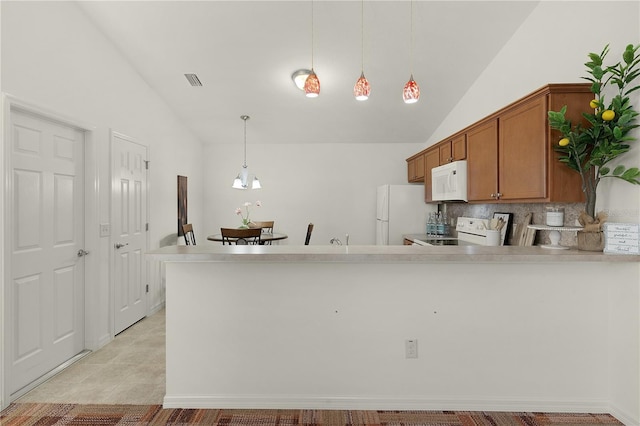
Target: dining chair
<point>189,236</point>
<point>241,236</point>
<point>308,237</point>
<point>267,227</point>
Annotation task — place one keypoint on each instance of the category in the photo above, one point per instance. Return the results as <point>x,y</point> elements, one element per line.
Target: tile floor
<point>128,370</point>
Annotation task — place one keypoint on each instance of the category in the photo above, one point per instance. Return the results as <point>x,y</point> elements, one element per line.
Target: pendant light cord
<point>245,118</point>
<point>312,35</point>
<point>411,41</point>
<point>362,32</point>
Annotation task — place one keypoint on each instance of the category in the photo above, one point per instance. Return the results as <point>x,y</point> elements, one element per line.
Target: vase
<point>590,241</point>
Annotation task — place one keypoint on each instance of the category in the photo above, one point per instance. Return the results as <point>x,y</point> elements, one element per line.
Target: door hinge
<point>146,164</point>
<point>146,226</point>
<point>147,288</point>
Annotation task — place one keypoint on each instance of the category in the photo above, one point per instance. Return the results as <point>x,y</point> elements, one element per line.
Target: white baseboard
<point>624,417</point>
<point>383,403</point>
<point>155,308</point>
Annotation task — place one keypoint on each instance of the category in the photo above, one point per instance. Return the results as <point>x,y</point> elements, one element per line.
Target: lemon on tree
<point>608,115</point>
<point>594,104</point>
<point>563,142</point>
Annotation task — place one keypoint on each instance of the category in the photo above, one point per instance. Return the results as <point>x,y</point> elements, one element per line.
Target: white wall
<point>331,185</point>
<point>551,46</point>
<point>53,57</point>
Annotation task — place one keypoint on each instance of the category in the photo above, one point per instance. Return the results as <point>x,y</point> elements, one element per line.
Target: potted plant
<point>589,149</point>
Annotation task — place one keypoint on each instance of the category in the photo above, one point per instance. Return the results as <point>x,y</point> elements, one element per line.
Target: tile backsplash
<point>485,211</point>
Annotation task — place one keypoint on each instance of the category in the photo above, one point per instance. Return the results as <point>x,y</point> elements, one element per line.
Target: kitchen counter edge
<point>378,254</point>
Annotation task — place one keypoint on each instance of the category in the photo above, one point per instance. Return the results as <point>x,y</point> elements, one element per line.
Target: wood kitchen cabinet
<point>453,150</point>
<point>431,160</point>
<point>511,156</point>
<point>482,161</point>
<point>415,168</point>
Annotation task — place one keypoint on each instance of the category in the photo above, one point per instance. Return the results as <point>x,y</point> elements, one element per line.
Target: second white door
<point>129,230</point>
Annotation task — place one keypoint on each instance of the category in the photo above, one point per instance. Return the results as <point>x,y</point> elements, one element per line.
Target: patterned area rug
<point>24,414</point>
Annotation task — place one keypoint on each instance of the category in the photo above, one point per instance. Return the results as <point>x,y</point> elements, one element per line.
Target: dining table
<point>265,238</point>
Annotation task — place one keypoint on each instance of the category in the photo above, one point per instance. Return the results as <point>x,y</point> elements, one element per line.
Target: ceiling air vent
<point>193,79</point>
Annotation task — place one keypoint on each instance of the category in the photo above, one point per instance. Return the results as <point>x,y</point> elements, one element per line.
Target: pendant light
<point>362,88</point>
<point>411,92</point>
<point>312,84</point>
<point>241,181</point>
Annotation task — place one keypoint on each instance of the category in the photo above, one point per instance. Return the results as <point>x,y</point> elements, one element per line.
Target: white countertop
<point>377,254</point>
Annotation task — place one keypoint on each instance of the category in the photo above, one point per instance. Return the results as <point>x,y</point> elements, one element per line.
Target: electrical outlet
<point>105,229</point>
<point>411,348</point>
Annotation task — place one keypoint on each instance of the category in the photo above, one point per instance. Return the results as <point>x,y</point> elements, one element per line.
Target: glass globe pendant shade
<point>237,183</point>
<point>240,182</point>
<point>312,85</point>
<point>411,92</point>
<point>362,89</point>
<point>256,183</point>
<point>299,77</point>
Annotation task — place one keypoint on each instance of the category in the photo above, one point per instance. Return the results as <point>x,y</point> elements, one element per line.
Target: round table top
<point>266,236</point>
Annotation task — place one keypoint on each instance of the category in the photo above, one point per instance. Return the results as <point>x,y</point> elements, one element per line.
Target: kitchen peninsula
<point>498,328</point>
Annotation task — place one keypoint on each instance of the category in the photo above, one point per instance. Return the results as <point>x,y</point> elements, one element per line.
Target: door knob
<point>82,252</point>
<point>120,245</point>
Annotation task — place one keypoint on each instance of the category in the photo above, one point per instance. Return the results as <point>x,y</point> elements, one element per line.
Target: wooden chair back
<point>266,225</point>
<point>308,237</point>
<point>189,236</point>
<point>241,236</point>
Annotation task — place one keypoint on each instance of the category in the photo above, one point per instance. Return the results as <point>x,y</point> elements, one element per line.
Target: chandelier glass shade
<point>242,180</point>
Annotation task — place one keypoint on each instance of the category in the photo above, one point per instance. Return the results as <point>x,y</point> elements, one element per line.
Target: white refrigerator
<point>401,210</point>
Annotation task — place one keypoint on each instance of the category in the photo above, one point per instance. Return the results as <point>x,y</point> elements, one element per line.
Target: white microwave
<point>449,182</point>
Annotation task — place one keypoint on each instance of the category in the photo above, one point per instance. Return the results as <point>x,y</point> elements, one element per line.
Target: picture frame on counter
<point>622,238</point>
<point>508,223</point>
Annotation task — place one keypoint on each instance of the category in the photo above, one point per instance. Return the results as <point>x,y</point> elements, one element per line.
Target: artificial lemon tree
<point>589,149</point>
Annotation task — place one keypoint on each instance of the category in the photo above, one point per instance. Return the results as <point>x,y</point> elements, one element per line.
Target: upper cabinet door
<point>482,162</point>
<point>445,152</point>
<point>431,160</point>
<point>521,144</point>
<point>459,147</point>
<point>415,169</point>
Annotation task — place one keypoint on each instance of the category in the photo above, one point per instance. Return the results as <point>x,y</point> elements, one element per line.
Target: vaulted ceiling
<point>244,53</point>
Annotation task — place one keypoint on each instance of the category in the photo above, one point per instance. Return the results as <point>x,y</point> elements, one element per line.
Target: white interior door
<point>129,230</point>
<point>46,233</point>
